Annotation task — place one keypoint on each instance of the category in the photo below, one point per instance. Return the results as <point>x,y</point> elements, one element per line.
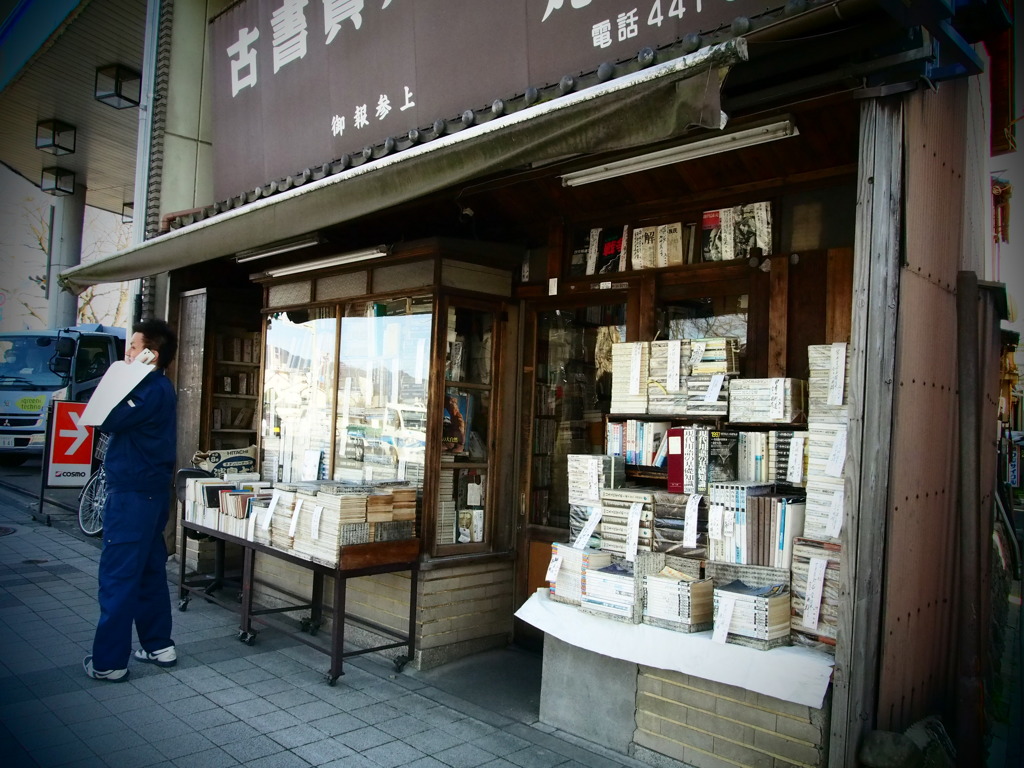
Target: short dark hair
<point>159,337</point>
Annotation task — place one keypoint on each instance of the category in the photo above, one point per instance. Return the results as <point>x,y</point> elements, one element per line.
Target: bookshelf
<point>234,380</point>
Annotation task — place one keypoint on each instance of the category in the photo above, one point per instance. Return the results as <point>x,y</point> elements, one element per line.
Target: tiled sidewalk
<point>225,703</point>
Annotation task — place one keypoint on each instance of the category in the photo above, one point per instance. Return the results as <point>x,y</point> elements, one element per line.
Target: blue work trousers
<point>132,578</point>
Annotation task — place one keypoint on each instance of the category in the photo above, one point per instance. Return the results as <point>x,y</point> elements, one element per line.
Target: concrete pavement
<point>226,703</point>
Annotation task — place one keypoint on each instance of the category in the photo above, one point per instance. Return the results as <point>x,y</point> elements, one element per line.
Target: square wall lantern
<point>55,137</point>
<point>118,86</point>
<point>57,181</point>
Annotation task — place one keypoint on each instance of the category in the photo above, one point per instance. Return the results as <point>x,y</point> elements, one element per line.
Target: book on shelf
<point>458,414</point>
<point>670,245</point>
<point>644,248</point>
<point>607,250</point>
<point>730,233</point>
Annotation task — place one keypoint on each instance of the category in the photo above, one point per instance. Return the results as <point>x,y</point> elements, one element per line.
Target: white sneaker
<point>109,675</point>
<point>165,657</point>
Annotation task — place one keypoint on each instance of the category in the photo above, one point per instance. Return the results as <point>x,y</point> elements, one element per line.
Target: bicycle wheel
<point>90,504</point>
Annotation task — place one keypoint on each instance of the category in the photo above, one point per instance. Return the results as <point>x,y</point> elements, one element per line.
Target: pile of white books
<point>767,401</point>
<point>758,616</point>
<point>627,516</point>
<point>630,371</point>
<point>666,381</point>
<point>674,600</point>
<point>568,584</point>
<point>588,473</point>
<point>816,587</point>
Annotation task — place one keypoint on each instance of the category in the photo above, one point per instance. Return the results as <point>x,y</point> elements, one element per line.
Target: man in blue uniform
<point>133,566</point>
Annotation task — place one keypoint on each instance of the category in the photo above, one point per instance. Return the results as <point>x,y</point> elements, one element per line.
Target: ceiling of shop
<point>59,83</point>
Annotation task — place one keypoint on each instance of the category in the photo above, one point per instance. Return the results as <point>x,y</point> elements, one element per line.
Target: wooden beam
<point>873,351</point>
<point>838,294</point>
<point>778,316</point>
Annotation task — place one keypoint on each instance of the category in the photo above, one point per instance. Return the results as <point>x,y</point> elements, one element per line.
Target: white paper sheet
<point>796,674</point>
<point>120,379</point>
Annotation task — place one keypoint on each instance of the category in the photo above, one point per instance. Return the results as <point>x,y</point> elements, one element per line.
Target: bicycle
<point>93,497</point>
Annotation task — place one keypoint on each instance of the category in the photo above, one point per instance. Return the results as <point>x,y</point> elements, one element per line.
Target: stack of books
<point>611,591</point>
<point>568,584</point>
<point>616,529</point>
<point>707,396</point>
<point>666,381</point>
<point>675,533</point>
<point>815,581</point>
<point>630,371</point>
<point>759,616</point>
<point>379,507</point>
<point>714,355</point>
<point>709,456</point>
<point>827,422</point>
<point>752,458</point>
<point>787,457</point>
<point>447,514</point>
<point>281,534</point>
<point>767,401</point>
<point>677,601</point>
<point>403,504</point>
<point>728,537</point>
<point>588,473</point>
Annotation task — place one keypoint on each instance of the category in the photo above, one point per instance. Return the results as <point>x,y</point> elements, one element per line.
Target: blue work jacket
<point>143,437</point>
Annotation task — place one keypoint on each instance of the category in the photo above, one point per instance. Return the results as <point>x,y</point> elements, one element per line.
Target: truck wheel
<point>12,460</point>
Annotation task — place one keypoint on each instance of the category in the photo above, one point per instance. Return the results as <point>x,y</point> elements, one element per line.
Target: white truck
<point>39,366</point>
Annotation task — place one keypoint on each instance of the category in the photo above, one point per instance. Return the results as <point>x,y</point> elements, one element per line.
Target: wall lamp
<point>57,181</point>
<point>331,261</point>
<point>281,246</point>
<point>723,142</point>
<point>118,86</point>
<point>55,137</point>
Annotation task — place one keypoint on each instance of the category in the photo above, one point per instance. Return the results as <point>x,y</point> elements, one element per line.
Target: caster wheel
<point>312,629</point>
<point>250,640</point>
<point>183,604</point>
<point>332,681</point>
<point>400,662</point>
<point>239,597</point>
<point>242,634</point>
<point>305,624</point>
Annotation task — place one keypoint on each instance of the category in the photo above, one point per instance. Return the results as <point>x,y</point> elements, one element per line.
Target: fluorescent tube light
<point>331,261</point>
<point>282,246</point>
<point>712,145</point>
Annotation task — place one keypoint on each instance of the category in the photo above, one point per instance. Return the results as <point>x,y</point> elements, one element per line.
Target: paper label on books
<point>795,465</point>
<point>588,528</point>
<point>714,388</point>
<point>265,522</point>
<point>837,374</point>
<point>835,513</point>
<point>815,587</point>
<point>716,513</point>
<point>634,370</point>
<point>604,285</point>
<point>552,286</point>
<point>401,469</point>
<point>675,444</point>
<point>295,518</point>
<point>837,457</point>
<point>696,352</point>
<point>553,566</point>
<point>672,382</point>
<point>421,358</point>
<point>728,522</point>
<point>314,524</point>
<point>777,400</point>
<point>690,525</point>
<point>726,604</point>
<point>633,529</point>
<point>473,493</point>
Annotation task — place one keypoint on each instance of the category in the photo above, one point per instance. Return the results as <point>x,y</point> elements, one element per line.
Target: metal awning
<point>651,105</point>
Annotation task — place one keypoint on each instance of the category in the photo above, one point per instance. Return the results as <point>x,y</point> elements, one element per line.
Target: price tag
<point>633,529</point>
<point>553,566</point>
<point>714,388</point>
<point>604,285</point>
<point>697,352</point>
<point>795,464</point>
<point>837,457</point>
<point>588,528</point>
<point>315,522</point>
<point>815,587</point>
<point>553,286</point>
<point>726,604</point>
<point>265,522</point>
<point>672,383</point>
<point>777,400</point>
<point>835,514</point>
<point>295,518</point>
<point>728,522</point>
<point>690,524</point>
<point>473,493</point>
<point>634,370</point>
<point>837,373</point>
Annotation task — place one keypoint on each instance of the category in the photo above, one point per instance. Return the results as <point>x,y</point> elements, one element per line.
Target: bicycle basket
<point>100,446</point>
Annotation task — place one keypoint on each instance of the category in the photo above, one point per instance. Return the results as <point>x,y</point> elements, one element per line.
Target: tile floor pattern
<point>225,704</point>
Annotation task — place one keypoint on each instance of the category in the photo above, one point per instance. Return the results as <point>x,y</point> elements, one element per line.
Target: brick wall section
<point>711,725</point>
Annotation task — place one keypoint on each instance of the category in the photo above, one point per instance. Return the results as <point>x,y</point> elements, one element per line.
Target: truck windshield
<point>25,363</point>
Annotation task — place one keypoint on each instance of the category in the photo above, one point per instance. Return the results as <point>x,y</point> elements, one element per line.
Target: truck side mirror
<point>61,365</point>
<point>66,349</point>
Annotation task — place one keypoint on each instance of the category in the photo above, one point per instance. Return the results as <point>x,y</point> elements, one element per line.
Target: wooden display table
<point>356,560</point>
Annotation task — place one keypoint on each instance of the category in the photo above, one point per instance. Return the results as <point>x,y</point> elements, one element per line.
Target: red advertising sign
<point>69,446</point>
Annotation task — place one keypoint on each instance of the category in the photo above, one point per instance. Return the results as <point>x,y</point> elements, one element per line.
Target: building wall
<point>712,725</point>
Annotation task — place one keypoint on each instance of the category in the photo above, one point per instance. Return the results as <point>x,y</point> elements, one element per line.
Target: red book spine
<point>675,459</point>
